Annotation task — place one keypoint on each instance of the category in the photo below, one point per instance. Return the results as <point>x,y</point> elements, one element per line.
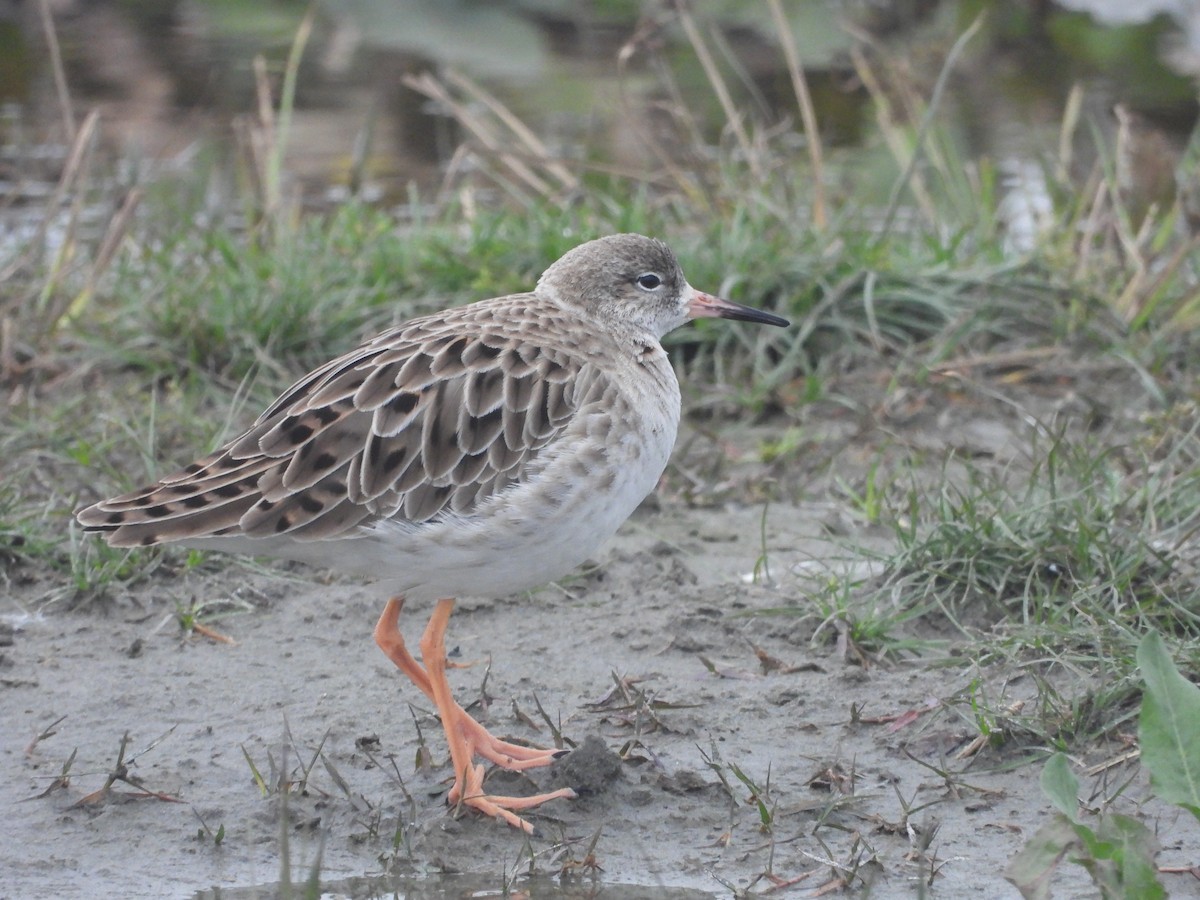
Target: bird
<point>479,451</point>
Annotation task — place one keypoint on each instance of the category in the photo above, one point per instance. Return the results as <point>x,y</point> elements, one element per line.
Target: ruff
<point>482,450</point>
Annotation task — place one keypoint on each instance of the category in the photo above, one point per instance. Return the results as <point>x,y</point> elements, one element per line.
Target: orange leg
<point>467,738</point>
<point>505,754</point>
<point>391,642</point>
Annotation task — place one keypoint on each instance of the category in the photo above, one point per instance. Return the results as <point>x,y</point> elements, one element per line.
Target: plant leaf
<point>1134,848</point>
<point>1061,786</point>
<point>1031,869</point>
<point>1118,854</point>
<point>1169,727</point>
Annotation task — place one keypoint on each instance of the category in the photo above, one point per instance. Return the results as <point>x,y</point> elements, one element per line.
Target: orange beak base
<point>706,306</point>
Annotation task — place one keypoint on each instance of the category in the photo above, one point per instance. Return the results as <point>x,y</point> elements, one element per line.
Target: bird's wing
<point>431,417</point>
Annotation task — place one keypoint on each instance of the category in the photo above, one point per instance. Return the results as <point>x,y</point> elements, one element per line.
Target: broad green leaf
<point>1094,847</point>
<point>1169,727</point>
<point>1118,854</point>
<point>1135,847</point>
<point>1061,786</point>
<point>1033,866</point>
<point>1120,859</point>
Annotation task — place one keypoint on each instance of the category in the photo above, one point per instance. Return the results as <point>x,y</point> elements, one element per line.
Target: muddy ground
<point>656,658</point>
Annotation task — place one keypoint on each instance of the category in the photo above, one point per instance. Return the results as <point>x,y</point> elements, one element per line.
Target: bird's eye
<point>648,281</point>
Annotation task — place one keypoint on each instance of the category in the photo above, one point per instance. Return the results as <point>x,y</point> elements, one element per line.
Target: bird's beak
<point>705,306</point>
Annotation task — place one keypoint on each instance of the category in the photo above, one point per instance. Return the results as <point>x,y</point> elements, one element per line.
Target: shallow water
<point>453,887</point>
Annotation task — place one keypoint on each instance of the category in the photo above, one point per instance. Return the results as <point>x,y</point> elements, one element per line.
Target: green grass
<point>1055,568</point>
<point>1078,538</point>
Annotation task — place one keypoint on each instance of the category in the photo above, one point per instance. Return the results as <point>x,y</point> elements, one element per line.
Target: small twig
<point>1005,359</point>
<point>212,634</point>
<point>120,772</point>
<point>47,732</point>
<point>1194,871</point>
<point>61,781</point>
<point>1120,759</point>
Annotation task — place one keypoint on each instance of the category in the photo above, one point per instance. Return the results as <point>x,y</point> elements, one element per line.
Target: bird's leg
<point>391,642</point>
<point>502,753</point>
<point>468,738</point>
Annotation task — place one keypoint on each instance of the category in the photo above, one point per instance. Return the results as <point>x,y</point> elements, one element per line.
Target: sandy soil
<point>653,658</point>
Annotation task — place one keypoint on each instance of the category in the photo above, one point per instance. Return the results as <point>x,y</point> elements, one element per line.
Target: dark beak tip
<point>759,317</point>
<point>708,305</point>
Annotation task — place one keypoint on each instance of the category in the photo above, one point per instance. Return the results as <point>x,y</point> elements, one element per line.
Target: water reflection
<point>452,887</point>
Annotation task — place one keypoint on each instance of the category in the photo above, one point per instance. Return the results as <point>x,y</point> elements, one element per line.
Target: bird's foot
<point>468,791</point>
<point>507,755</point>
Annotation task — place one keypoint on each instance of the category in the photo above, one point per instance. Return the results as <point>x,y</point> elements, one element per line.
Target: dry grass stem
<point>118,227</point>
<point>482,131</point>
<point>721,89</point>
<point>919,141</point>
<point>808,115</point>
<point>67,184</point>
<point>684,181</point>
<point>523,132</point>
<point>893,133</point>
<point>60,76</point>
<point>1066,132</point>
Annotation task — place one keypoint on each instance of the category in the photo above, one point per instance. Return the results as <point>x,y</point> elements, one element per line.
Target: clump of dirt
<point>588,769</point>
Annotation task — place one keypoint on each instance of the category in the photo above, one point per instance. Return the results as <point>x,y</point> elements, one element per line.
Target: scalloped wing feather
<point>435,416</point>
